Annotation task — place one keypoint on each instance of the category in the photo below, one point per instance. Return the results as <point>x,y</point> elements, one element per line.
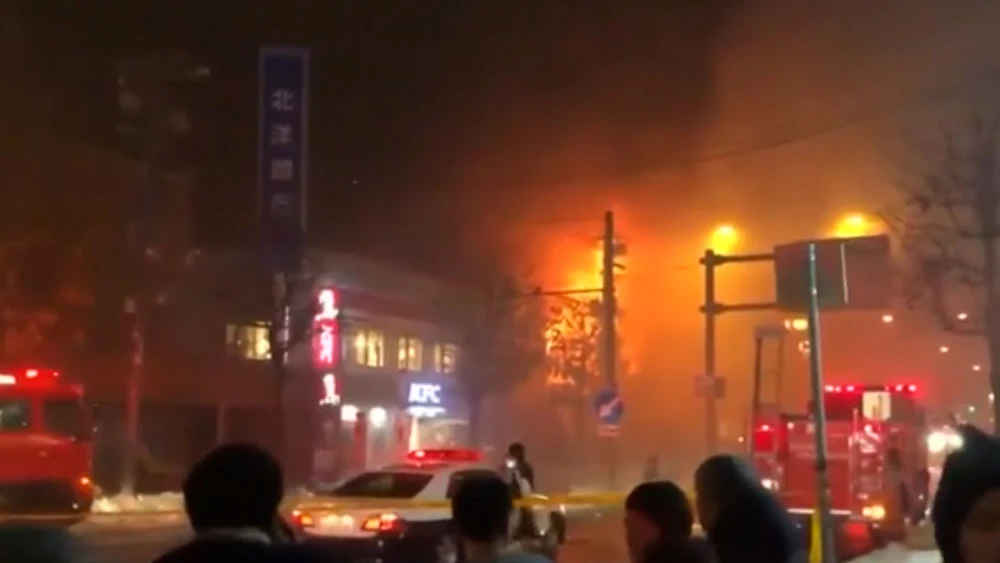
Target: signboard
<point>610,410</point>
<point>876,405</point>
<point>330,395</point>
<point>852,273</point>
<point>425,400</point>
<point>326,345</point>
<point>283,153</point>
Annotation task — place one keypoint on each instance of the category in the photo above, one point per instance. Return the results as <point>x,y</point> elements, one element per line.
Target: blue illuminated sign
<point>283,153</point>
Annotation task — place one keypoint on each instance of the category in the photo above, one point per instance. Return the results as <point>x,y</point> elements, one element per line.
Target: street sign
<point>852,274</point>
<point>282,168</point>
<point>703,385</point>
<point>610,410</point>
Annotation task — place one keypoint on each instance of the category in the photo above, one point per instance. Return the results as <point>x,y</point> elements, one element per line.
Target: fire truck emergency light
<point>898,388</point>
<point>31,374</point>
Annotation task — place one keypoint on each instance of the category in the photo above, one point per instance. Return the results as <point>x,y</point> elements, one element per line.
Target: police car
<point>400,512</point>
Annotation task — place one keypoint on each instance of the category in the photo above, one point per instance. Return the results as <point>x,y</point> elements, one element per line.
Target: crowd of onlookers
<point>232,499</point>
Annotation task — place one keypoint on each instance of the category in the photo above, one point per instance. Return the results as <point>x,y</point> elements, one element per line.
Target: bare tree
<point>949,228</point>
<point>503,329</point>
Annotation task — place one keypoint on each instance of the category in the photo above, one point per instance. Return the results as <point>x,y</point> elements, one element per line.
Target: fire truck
<point>45,447</point>
<point>876,456</point>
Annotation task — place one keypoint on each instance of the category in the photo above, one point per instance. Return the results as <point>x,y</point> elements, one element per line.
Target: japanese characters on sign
<point>326,347</point>
<point>326,344</point>
<point>283,152</point>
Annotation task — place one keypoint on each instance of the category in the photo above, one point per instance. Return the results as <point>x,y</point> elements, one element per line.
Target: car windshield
<point>64,417</point>
<point>15,414</point>
<point>384,484</point>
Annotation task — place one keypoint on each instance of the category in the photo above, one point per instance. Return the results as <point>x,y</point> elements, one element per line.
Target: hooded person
<point>966,510</point>
<point>744,522</point>
<point>232,499</point>
<point>659,522</point>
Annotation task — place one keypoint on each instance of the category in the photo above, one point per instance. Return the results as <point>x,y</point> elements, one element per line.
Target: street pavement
<point>593,540</point>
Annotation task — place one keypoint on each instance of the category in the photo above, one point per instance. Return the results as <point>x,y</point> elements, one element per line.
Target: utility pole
<point>609,330</point>
<point>151,119</point>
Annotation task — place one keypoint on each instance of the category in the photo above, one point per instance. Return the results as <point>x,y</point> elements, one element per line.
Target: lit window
<point>248,341</point>
<point>445,358</point>
<point>369,348</point>
<point>411,354</point>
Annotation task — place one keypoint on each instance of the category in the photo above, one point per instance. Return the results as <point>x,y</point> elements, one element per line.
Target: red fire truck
<point>877,455</point>
<point>45,446</point>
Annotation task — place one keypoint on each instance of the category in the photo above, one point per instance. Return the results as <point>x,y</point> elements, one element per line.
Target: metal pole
<point>279,336</point>
<point>135,303</point>
<point>609,329</point>
<point>758,366</point>
<point>711,310</point>
<point>816,377</point>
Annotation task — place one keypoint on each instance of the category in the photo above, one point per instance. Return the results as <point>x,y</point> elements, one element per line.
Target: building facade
<point>376,373</point>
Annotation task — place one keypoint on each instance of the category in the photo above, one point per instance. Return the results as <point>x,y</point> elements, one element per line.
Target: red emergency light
<point>29,375</point>
<point>445,455</point>
<point>898,388</point>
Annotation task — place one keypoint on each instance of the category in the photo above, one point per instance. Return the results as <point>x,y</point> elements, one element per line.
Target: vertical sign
<point>326,345</point>
<point>283,138</point>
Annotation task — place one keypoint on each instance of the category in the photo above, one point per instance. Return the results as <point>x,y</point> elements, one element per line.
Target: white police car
<point>400,512</point>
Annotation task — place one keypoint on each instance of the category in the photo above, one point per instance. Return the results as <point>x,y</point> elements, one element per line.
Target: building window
<point>369,348</point>
<point>248,341</point>
<point>411,354</point>
<point>445,358</point>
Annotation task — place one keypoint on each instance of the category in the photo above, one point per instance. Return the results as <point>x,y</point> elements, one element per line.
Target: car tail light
<point>301,519</point>
<point>385,522</point>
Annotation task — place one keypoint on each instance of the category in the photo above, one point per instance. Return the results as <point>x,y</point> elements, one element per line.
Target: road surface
<point>595,540</point>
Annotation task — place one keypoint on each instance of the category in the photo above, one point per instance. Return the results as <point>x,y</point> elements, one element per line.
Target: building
<point>374,376</point>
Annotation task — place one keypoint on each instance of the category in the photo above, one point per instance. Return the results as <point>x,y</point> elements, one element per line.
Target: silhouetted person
<point>522,484</point>
<point>967,503</point>
<point>743,521</point>
<point>658,525</point>
<point>517,454</point>
<point>231,497</point>
<point>481,509</point>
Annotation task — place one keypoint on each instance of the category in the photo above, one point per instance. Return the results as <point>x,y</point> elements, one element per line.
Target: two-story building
<point>375,376</point>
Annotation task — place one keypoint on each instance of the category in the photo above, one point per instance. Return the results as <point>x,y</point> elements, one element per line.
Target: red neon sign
<point>326,346</point>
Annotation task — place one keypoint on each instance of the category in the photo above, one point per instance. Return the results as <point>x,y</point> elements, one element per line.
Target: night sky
<point>427,116</point>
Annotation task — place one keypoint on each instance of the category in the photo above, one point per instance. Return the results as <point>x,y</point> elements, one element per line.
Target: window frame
<point>441,350</point>
<point>244,339</point>
<point>405,361</point>
<point>363,354</point>
<point>29,412</point>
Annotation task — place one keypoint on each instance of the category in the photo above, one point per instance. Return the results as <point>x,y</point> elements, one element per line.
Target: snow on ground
<point>899,554</point>
<point>163,502</point>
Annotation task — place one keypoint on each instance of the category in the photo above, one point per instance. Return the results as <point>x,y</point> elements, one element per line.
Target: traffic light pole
<point>609,330</point>
<point>712,308</point>
<point>816,380</point>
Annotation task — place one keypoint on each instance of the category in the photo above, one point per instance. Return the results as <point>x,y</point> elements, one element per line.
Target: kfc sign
<point>424,394</point>
<point>326,329</point>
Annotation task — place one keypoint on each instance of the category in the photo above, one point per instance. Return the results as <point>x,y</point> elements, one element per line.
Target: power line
<point>764,144</point>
